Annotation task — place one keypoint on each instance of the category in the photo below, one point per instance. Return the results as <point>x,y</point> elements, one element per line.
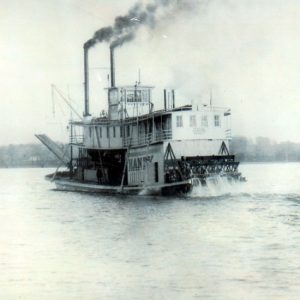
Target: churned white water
<point>225,241</point>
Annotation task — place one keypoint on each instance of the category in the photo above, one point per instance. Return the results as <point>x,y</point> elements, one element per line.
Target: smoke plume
<point>125,27</point>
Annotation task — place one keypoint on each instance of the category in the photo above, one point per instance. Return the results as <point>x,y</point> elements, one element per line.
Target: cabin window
<point>179,121</point>
<point>156,171</point>
<point>90,131</point>
<point>114,131</point>
<point>107,132</point>
<point>217,121</point>
<point>204,121</point>
<point>100,129</point>
<point>121,131</point>
<point>193,122</point>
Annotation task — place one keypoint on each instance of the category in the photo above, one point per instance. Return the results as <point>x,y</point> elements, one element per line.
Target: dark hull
<point>65,184</point>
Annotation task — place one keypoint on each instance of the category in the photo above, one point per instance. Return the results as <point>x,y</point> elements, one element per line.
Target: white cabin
<point>194,132</point>
<point>131,126</point>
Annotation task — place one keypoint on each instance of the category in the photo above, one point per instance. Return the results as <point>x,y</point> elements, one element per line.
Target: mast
<point>71,136</point>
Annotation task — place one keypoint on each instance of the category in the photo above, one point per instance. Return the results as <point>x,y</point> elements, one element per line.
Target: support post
<point>165,99</point>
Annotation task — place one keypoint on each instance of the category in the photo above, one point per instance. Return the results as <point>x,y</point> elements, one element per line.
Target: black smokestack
<point>116,43</point>
<point>86,81</point>
<point>112,67</point>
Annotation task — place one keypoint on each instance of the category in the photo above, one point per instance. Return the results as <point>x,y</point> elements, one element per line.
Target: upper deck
<point>175,124</point>
<point>132,122</point>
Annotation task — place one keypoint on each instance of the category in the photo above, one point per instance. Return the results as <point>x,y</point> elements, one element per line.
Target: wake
<point>217,186</point>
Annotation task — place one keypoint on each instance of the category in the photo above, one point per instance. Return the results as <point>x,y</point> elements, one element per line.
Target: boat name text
<point>139,163</point>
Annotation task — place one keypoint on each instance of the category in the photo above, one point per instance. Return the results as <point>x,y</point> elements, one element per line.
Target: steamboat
<point>133,148</point>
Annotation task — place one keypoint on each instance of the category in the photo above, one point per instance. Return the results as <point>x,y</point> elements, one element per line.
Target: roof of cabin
<point>154,114</point>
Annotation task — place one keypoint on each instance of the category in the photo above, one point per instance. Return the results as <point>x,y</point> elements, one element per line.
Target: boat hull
<point>161,189</point>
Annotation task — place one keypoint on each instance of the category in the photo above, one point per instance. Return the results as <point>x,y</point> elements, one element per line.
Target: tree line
<point>27,155</point>
<point>262,149</point>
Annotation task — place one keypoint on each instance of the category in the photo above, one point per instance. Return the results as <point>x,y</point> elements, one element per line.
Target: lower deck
<point>154,165</point>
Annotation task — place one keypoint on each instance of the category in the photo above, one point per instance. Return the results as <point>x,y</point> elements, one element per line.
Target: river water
<point>228,242</point>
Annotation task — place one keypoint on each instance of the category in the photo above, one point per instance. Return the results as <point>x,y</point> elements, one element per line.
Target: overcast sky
<point>246,52</point>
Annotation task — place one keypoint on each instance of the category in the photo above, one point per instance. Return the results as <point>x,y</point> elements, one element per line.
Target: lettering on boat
<point>139,163</point>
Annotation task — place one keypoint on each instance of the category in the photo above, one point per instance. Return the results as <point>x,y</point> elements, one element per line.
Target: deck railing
<point>76,140</point>
<point>148,138</point>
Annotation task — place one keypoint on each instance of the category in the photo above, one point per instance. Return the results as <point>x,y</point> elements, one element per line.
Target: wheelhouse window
<point>204,121</point>
<point>217,121</point>
<point>193,122</point>
<point>134,96</point>
<point>179,121</point>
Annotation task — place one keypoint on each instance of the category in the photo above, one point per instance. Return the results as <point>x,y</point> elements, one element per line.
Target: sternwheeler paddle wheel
<point>199,169</point>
